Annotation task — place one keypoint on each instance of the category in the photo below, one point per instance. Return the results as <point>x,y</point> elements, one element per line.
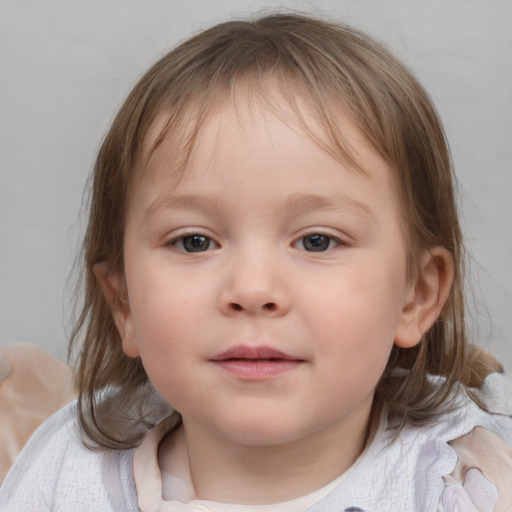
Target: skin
<point>260,192</point>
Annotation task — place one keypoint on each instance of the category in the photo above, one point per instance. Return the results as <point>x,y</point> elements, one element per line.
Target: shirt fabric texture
<point>460,463</point>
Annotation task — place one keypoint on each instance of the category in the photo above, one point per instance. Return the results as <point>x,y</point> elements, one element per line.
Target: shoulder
<point>453,464</point>
<point>463,461</point>
<point>480,479</point>
<point>56,472</point>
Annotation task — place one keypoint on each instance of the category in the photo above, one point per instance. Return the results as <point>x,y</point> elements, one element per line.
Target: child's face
<point>267,286</point>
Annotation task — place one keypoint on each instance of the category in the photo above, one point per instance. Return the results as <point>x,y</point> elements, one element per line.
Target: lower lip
<point>256,369</point>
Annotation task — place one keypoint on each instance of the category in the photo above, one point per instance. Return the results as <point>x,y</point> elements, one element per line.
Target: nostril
<point>269,306</point>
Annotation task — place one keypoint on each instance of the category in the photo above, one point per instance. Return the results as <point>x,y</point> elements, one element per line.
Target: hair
<point>336,69</point>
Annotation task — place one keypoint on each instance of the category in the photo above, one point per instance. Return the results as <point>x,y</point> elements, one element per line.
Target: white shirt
<point>463,462</point>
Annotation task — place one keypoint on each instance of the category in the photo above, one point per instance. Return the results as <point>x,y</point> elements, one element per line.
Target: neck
<point>233,472</point>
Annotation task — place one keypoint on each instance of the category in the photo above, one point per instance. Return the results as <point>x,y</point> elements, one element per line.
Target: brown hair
<point>335,67</point>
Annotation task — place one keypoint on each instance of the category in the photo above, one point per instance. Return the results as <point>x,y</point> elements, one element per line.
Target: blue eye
<point>318,243</point>
<point>194,243</point>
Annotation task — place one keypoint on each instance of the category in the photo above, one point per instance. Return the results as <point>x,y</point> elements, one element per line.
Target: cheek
<point>358,317</point>
<point>164,315</point>
<point>161,296</point>
<point>166,335</point>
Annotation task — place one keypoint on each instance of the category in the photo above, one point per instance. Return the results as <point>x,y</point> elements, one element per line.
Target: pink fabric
<point>481,478</point>
<point>33,385</point>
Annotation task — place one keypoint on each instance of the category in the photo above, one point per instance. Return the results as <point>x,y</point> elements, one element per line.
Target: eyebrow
<point>295,204</point>
<point>299,203</point>
<point>183,202</point>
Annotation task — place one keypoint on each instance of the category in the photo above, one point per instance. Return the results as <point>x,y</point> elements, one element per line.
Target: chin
<point>263,433</point>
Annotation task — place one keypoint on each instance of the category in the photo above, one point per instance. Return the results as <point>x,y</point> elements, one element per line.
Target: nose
<point>255,285</point>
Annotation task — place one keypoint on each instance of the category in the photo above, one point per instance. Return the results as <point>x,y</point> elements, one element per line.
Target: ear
<point>116,296</point>
<point>426,297</point>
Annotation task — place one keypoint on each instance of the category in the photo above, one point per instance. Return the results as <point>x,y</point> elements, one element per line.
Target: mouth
<point>255,363</point>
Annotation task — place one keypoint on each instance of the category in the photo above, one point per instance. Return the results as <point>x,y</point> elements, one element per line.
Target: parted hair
<point>334,68</point>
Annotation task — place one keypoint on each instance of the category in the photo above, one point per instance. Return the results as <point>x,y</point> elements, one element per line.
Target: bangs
<point>179,127</point>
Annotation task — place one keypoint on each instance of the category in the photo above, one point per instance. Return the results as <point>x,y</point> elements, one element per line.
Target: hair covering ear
<point>429,292</point>
<point>114,291</point>
<point>107,283</point>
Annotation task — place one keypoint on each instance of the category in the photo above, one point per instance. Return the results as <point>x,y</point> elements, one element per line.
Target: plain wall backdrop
<point>66,65</point>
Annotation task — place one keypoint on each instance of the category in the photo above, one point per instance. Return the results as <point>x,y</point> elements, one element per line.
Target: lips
<point>245,352</point>
<point>255,363</point>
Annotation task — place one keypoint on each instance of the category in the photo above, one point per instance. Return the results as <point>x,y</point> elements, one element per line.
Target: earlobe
<point>427,296</point>
<point>114,291</point>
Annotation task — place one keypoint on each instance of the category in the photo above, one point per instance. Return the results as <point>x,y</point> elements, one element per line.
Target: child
<point>273,251</point>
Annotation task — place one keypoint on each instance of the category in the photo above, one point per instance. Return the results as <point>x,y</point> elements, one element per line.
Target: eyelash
<point>188,243</point>
<point>180,242</point>
<point>318,240</point>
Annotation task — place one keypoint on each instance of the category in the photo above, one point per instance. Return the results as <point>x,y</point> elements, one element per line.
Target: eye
<point>317,243</point>
<point>194,243</point>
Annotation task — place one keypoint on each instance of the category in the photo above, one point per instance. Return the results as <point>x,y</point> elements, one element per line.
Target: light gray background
<point>65,66</point>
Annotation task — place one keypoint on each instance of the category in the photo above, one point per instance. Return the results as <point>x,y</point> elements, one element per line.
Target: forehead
<point>174,134</point>
<point>179,148</point>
